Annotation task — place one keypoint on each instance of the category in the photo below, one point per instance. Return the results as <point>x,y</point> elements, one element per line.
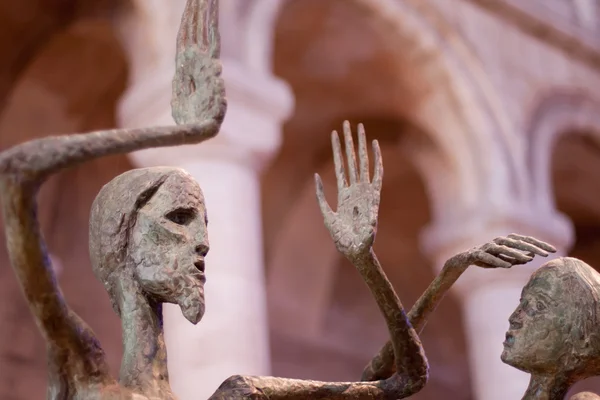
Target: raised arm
<point>198,107</point>
<point>198,104</point>
<point>352,228</point>
<point>502,252</point>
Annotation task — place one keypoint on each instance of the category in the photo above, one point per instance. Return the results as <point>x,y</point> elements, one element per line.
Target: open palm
<point>198,88</point>
<point>354,224</point>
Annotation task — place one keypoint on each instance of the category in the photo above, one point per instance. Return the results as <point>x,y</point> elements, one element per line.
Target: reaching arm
<point>502,252</point>
<point>198,108</point>
<point>68,337</point>
<point>352,228</point>
<point>35,161</point>
<point>411,360</point>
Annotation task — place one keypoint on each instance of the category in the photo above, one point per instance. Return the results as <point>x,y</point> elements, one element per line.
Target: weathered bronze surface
<point>502,252</point>
<point>352,227</point>
<point>147,231</point>
<point>554,333</point>
<point>148,240</point>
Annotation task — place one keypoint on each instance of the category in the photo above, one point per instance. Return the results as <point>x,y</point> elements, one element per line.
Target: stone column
<point>489,297</point>
<point>233,336</point>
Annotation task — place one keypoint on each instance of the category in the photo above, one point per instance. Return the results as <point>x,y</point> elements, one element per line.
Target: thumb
<point>323,205</point>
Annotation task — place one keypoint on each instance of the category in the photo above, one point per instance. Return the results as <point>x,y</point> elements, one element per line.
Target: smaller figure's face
<point>538,329</point>
<point>169,245</point>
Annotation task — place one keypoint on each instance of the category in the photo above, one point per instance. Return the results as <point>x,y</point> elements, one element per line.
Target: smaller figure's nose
<point>516,320</point>
<point>202,249</point>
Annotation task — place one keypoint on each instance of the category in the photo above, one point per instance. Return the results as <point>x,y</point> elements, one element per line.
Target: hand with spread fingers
<point>503,252</point>
<point>354,224</point>
<point>198,89</point>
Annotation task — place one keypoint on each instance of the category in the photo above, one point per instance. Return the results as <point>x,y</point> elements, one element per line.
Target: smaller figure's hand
<point>354,224</point>
<point>198,89</point>
<point>503,252</point>
<point>238,387</point>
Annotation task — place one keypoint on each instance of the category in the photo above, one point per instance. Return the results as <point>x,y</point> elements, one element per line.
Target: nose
<point>202,249</point>
<point>516,319</point>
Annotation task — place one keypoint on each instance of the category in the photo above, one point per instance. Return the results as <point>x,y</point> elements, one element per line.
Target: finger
<point>520,245</point>
<point>378,173</point>
<point>538,243</point>
<point>510,260</point>
<point>350,155</point>
<point>338,162</point>
<point>213,40</point>
<point>487,260</point>
<point>188,30</point>
<point>363,155</point>
<point>325,208</point>
<point>497,249</point>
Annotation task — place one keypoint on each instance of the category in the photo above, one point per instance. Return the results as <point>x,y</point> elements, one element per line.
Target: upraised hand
<point>504,252</point>
<point>199,107</point>
<point>198,89</point>
<point>354,224</point>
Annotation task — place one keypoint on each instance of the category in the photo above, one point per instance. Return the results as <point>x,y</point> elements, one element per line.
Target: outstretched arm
<point>502,252</point>
<point>199,107</point>
<point>352,228</point>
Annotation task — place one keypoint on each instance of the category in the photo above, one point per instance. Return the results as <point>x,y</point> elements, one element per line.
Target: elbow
<point>405,385</point>
<point>14,164</point>
<point>5,164</point>
<point>418,382</point>
<point>27,163</point>
<point>419,376</point>
<point>409,383</point>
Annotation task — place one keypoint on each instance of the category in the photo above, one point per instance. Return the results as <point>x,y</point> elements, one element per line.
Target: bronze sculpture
<point>166,201</point>
<point>352,227</point>
<point>502,252</point>
<point>553,333</point>
<point>148,240</point>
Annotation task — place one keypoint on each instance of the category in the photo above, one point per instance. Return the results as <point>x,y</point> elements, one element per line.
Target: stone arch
<point>464,116</point>
<point>556,114</point>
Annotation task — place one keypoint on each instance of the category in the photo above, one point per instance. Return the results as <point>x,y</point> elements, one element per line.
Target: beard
<point>192,304</point>
<point>182,287</point>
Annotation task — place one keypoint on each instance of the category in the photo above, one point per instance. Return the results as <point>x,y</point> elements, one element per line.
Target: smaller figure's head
<point>556,327</point>
<point>148,238</point>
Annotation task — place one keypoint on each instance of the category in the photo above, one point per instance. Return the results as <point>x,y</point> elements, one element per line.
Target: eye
<point>540,306</point>
<point>181,216</point>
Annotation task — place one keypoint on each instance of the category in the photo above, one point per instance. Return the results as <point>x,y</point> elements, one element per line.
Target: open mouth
<point>199,264</point>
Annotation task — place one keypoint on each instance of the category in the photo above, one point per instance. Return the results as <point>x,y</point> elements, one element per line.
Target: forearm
<point>405,346</point>
<point>434,294</point>
<point>271,388</point>
<point>382,365</point>
<point>69,338</point>
<point>35,160</point>
<point>29,259</point>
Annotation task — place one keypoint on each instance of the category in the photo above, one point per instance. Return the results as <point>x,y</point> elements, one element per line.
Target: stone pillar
<point>489,297</point>
<point>233,336</point>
